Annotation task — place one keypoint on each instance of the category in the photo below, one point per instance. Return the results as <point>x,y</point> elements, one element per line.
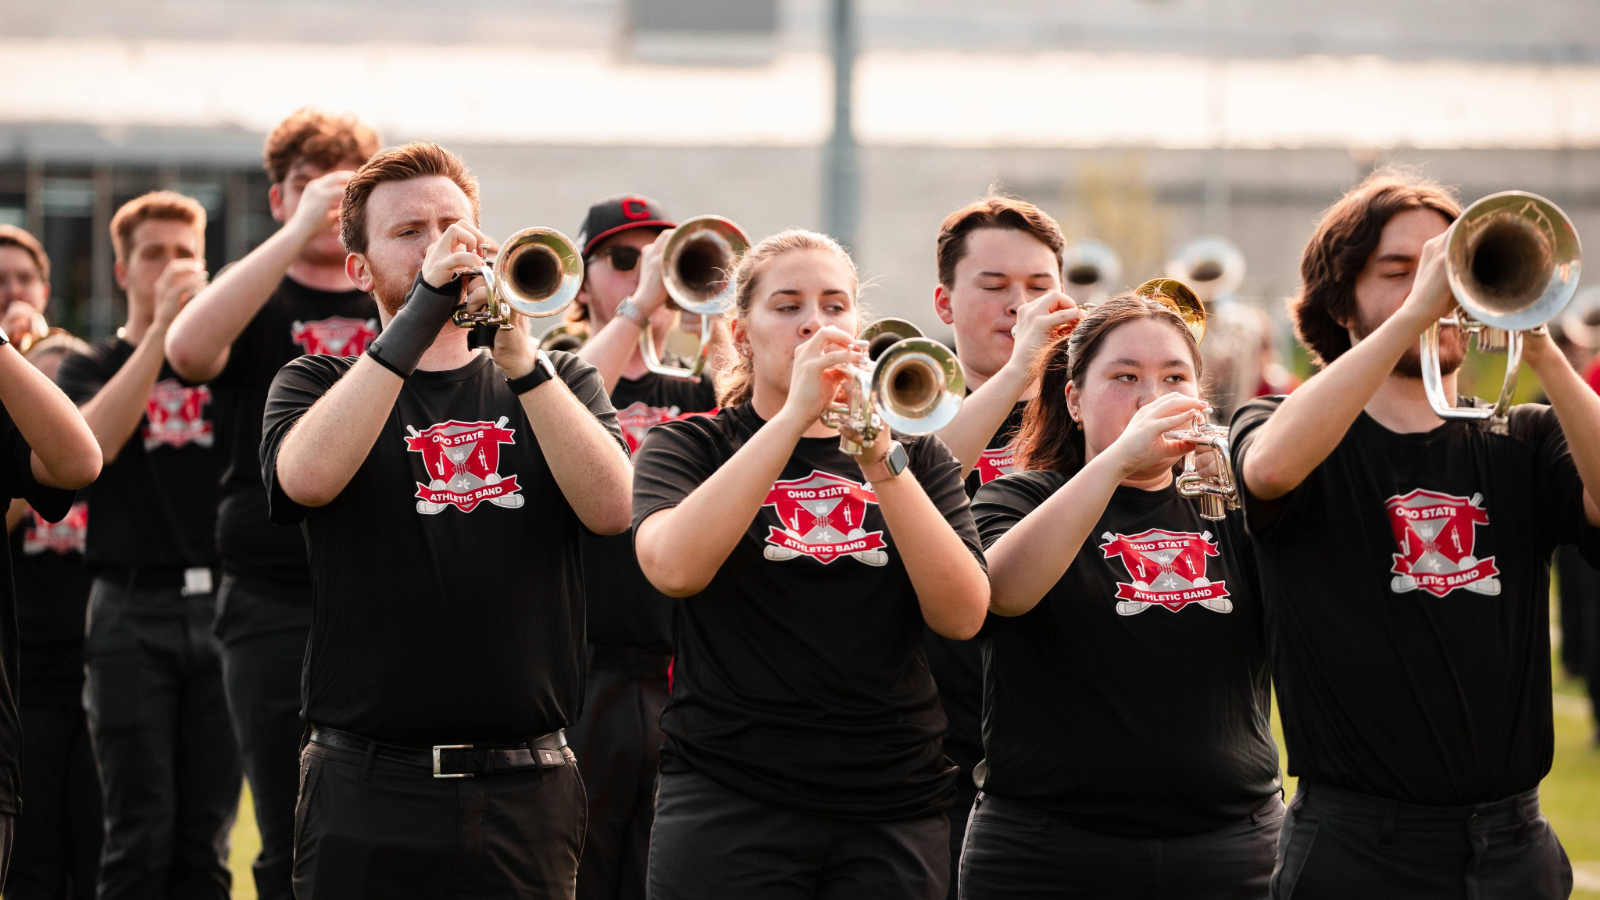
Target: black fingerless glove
<point>413,329</point>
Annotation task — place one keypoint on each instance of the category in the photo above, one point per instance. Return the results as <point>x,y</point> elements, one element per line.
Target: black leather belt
<point>629,661</point>
<point>456,760</point>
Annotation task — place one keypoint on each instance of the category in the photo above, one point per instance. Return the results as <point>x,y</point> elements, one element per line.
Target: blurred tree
<point>1108,197</point>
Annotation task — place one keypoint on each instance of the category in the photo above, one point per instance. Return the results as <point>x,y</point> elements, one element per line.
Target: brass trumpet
<point>563,337</point>
<point>1213,267</point>
<point>537,273</point>
<point>913,385</point>
<point>1513,261</point>
<point>1217,493</point>
<point>695,265</point>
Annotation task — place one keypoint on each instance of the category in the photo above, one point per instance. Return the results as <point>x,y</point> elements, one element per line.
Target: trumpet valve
<point>1492,340</point>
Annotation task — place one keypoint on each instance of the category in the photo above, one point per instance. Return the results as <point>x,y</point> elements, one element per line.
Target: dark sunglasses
<point>623,259</point>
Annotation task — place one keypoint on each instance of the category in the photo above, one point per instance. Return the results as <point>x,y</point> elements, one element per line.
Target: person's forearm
<point>681,549</point>
<point>113,414</point>
<point>610,348</point>
<point>588,464</point>
<point>982,413</point>
<point>951,587</point>
<point>1029,559</point>
<point>1313,420</point>
<point>65,454</point>
<point>198,341</point>
<point>1578,409</point>
<point>322,452</point>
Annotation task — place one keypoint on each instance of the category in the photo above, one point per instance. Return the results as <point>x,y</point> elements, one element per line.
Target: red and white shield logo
<point>334,336</point>
<point>65,536</point>
<point>1168,569</point>
<point>1436,533</point>
<point>462,459</point>
<point>996,462</point>
<point>175,415</point>
<point>822,517</point>
<point>639,417</point>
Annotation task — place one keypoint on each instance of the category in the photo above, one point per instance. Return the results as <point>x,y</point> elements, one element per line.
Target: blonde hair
<point>736,383</point>
<point>168,206</point>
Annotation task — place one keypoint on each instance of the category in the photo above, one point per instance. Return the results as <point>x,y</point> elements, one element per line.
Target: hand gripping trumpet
<point>695,265</point>
<point>913,385</point>
<point>1513,261</point>
<point>537,273</point>
<point>1216,492</point>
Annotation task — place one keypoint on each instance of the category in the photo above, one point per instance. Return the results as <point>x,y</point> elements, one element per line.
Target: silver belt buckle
<point>437,748</point>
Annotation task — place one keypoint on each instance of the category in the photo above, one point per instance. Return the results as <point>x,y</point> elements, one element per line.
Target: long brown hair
<point>736,383</point>
<point>1337,252</point>
<point>1049,439</point>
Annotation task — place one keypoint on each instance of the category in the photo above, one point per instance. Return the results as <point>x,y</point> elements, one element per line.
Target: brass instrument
<point>1513,261</point>
<point>912,384</point>
<point>1090,270</point>
<point>564,337</point>
<point>695,267</point>
<point>1212,266</point>
<point>537,273</point>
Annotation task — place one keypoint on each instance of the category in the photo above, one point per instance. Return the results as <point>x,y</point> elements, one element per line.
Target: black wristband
<point>415,327</point>
<point>542,371</point>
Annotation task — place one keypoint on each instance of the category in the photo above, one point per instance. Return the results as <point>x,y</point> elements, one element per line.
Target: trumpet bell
<point>1513,260</point>
<point>698,260</point>
<point>917,386</point>
<point>1090,269</point>
<point>538,272</point>
<point>1181,299</point>
<point>885,333</point>
<point>563,337</point>
<point>1213,266</point>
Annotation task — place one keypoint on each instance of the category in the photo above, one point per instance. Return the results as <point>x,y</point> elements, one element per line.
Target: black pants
<point>1340,844</point>
<point>959,814</point>
<point>618,743</point>
<point>712,842</point>
<point>263,651</point>
<point>58,833</point>
<point>1016,849</point>
<point>368,828</point>
<point>169,767</point>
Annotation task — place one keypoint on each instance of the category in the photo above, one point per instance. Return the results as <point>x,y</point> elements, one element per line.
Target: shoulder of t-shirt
<point>924,451</point>
<point>99,363</point>
<point>1018,491</point>
<point>1532,423</point>
<point>570,366</point>
<point>1253,413</point>
<point>316,369</point>
<point>721,426</point>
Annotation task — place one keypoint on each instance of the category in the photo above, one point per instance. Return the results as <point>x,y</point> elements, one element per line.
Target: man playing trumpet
<point>1405,564</point>
<point>442,491</point>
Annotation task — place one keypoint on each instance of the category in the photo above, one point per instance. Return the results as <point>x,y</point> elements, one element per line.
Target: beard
<point>390,288</point>
<point>1452,348</point>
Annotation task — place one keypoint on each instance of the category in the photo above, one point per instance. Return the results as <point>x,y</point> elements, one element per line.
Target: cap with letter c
<point>615,215</point>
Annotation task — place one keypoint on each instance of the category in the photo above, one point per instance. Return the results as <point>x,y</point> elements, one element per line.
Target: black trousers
<point>263,651</point>
<point>169,767</point>
<point>959,814</point>
<point>58,833</point>
<point>1016,849</point>
<point>369,828</point>
<point>618,743</point>
<point>1340,844</point>
<point>712,842</point>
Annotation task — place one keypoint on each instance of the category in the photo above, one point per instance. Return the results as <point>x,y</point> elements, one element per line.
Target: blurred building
<point>1142,122</point>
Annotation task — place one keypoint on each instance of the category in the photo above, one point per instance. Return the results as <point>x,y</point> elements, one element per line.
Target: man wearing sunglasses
<point>618,738</point>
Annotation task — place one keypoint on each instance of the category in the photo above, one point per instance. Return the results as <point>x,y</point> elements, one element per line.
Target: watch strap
<point>632,313</point>
<point>541,372</point>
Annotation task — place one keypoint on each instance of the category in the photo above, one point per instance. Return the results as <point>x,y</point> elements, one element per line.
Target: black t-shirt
<point>1134,698</point>
<point>16,480</point>
<point>799,678</point>
<point>155,505</point>
<point>1406,586</point>
<point>958,665</point>
<point>296,320</point>
<point>448,592</point>
<point>52,601</point>
<point>624,609</point>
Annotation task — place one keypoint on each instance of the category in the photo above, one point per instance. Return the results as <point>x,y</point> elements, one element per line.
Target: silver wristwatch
<point>632,313</point>
<point>896,459</point>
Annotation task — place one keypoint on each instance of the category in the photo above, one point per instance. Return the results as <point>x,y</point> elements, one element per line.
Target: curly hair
<point>319,138</point>
<point>1344,240</point>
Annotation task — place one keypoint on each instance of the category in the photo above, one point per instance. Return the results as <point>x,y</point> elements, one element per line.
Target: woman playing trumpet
<point>803,753</point>
<point>1126,738</point>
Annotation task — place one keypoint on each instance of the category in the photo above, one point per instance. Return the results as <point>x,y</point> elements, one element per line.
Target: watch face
<point>897,459</point>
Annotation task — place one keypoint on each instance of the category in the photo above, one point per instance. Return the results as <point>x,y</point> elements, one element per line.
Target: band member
<point>290,296</point>
<point>999,263</point>
<point>1128,747</point>
<point>618,740</point>
<point>1405,565</point>
<point>58,835</point>
<point>168,762</point>
<point>803,752</point>
<point>441,491</point>
<point>24,286</point>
